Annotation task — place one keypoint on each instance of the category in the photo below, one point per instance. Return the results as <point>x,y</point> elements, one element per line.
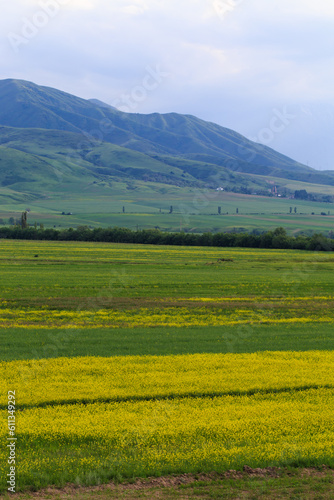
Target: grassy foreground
<point>298,484</point>
<point>142,315</point>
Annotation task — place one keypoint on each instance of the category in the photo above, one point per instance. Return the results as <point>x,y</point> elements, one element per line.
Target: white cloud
<point>233,69</point>
<point>135,8</point>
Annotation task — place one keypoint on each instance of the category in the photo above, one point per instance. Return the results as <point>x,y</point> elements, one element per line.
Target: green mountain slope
<point>52,141</point>
<point>35,160</point>
<point>26,105</point>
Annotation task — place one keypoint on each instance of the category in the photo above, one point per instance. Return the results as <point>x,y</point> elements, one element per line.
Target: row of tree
<point>271,239</point>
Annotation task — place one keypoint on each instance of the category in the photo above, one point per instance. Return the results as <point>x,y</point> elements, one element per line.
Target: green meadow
<point>148,206</point>
<point>75,276</point>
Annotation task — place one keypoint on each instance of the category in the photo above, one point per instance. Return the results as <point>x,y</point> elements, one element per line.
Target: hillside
<point>185,137</point>
<point>32,160</point>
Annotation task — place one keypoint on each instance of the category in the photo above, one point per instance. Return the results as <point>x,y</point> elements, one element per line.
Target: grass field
<point>148,205</point>
<point>133,361</point>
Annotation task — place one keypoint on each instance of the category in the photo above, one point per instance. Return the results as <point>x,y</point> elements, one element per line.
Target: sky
<point>264,68</point>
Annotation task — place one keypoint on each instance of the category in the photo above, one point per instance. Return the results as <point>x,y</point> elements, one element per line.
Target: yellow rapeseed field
<point>167,436</point>
<point>117,378</point>
<point>161,414</point>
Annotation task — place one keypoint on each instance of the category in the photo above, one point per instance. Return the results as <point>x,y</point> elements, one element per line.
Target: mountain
<point>45,133</point>
<point>101,104</point>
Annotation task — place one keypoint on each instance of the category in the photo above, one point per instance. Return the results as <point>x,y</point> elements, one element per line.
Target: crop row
<point>154,317</point>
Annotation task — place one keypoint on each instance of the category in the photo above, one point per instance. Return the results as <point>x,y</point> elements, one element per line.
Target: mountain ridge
<point>174,133</point>
<point>168,148</point>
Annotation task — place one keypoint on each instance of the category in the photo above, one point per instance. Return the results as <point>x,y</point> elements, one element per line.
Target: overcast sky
<point>264,68</point>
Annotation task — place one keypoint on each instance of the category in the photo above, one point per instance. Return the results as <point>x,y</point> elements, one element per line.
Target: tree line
<point>270,239</point>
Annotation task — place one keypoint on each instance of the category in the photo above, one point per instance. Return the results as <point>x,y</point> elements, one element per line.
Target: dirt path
<point>269,483</point>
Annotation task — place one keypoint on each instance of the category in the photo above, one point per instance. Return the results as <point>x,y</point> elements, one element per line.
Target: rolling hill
<point>202,150</point>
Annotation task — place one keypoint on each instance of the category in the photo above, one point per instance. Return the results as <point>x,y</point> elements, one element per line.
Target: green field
<point>148,206</point>
<point>140,336</point>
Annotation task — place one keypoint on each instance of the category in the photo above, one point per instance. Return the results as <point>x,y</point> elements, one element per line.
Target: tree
<point>280,231</point>
<point>318,242</point>
<point>24,224</point>
<point>301,194</point>
<point>280,238</point>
